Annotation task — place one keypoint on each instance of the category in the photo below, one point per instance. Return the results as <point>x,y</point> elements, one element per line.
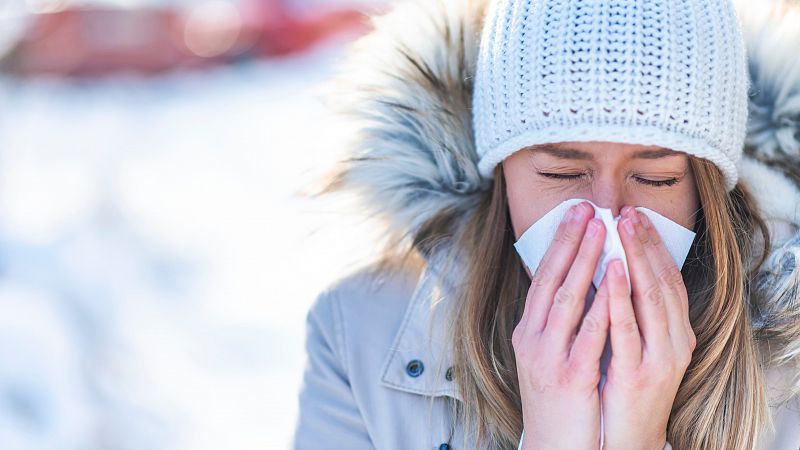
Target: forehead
<point>595,149</point>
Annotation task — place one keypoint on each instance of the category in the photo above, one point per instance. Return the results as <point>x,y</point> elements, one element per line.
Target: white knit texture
<point>671,73</point>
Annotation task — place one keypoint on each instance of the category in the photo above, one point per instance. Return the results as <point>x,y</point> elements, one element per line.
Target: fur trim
<point>772,34</point>
<point>777,196</point>
<point>408,84</point>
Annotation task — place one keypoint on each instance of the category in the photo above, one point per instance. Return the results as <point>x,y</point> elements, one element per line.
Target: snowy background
<point>156,263</point>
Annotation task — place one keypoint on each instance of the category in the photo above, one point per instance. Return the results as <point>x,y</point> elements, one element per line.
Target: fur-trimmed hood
<point>407,86</point>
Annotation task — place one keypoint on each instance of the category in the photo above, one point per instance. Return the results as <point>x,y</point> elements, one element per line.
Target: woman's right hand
<point>558,362</point>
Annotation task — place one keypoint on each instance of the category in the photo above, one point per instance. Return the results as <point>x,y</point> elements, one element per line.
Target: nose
<point>608,194</point>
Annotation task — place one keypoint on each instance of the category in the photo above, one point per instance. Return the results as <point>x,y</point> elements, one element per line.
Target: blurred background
<point>156,261</point>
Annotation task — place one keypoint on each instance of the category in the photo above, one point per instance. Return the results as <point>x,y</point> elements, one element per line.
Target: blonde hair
<point>721,402</point>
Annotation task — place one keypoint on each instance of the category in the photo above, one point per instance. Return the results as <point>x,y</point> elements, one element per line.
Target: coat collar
<point>423,337</point>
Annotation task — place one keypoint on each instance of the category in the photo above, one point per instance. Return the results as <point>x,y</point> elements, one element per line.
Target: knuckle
<point>638,251</point>
<point>654,239</point>
<point>644,238</point>
<point>582,373</point>
<point>583,258</point>
<point>629,326</point>
<point>564,297</point>
<point>602,294</point>
<point>568,235</point>
<point>542,276</point>
<point>670,275</point>
<point>654,295</point>
<point>591,324</point>
<point>561,378</point>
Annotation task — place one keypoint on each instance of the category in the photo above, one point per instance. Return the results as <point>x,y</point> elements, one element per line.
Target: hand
<point>559,369</point>
<point>651,339</point>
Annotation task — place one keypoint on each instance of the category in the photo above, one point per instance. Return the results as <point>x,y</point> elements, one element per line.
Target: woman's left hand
<point>651,338</point>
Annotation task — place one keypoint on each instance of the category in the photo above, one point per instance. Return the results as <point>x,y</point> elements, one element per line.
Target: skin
<point>558,345</point>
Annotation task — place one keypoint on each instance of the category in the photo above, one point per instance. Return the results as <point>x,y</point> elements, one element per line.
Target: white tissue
<point>534,242</point>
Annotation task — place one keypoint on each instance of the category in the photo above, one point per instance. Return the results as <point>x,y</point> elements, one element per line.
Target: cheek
<point>688,204</point>
<point>525,210</point>
<point>524,207</point>
<point>692,208</point>
<point>529,202</point>
<point>680,206</point>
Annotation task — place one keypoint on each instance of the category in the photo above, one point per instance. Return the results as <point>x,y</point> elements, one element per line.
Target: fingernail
<point>628,225</point>
<point>645,220</point>
<point>592,229</point>
<point>618,269</point>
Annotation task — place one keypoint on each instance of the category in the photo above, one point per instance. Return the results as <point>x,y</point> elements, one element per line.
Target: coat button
<point>449,374</point>
<point>414,368</point>
<point>444,447</point>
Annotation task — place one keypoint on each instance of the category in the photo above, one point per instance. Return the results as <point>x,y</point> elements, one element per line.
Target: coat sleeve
<point>328,412</point>
<point>667,446</point>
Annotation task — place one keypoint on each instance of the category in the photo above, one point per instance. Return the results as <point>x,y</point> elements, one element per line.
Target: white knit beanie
<point>671,73</point>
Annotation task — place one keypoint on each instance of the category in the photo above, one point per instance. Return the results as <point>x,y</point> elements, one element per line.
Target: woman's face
<point>611,175</point>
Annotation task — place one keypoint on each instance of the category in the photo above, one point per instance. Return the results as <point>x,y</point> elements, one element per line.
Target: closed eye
<point>645,181</point>
<point>667,182</point>
<point>562,176</point>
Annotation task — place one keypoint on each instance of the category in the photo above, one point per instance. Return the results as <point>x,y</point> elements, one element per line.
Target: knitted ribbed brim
<point>667,73</point>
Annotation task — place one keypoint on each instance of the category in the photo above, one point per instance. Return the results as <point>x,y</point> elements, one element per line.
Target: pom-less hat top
<point>671,73</point>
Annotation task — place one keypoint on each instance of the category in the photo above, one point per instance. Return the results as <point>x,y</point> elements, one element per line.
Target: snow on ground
<point>155,264</point>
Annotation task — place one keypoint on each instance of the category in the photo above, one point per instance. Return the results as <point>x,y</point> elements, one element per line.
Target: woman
<point>476,119</point>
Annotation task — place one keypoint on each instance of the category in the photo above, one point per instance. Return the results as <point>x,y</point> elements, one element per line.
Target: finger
<point>535,312</point>
<point>569,300</point>
<point>669,277</point>
<point>529,310</point>
<point>552,270</point>
<point>591,339</point>
<point>648,296</point>
<point>626,343</point>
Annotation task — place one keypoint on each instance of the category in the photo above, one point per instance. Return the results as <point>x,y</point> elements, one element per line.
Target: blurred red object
<point>85,42</point>
<point>280,32</point>
<point>96,41</point>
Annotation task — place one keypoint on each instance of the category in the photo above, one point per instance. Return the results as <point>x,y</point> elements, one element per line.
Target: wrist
<point>661,444</point>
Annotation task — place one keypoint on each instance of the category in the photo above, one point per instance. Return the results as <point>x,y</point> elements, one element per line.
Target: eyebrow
<point>571,153</point>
